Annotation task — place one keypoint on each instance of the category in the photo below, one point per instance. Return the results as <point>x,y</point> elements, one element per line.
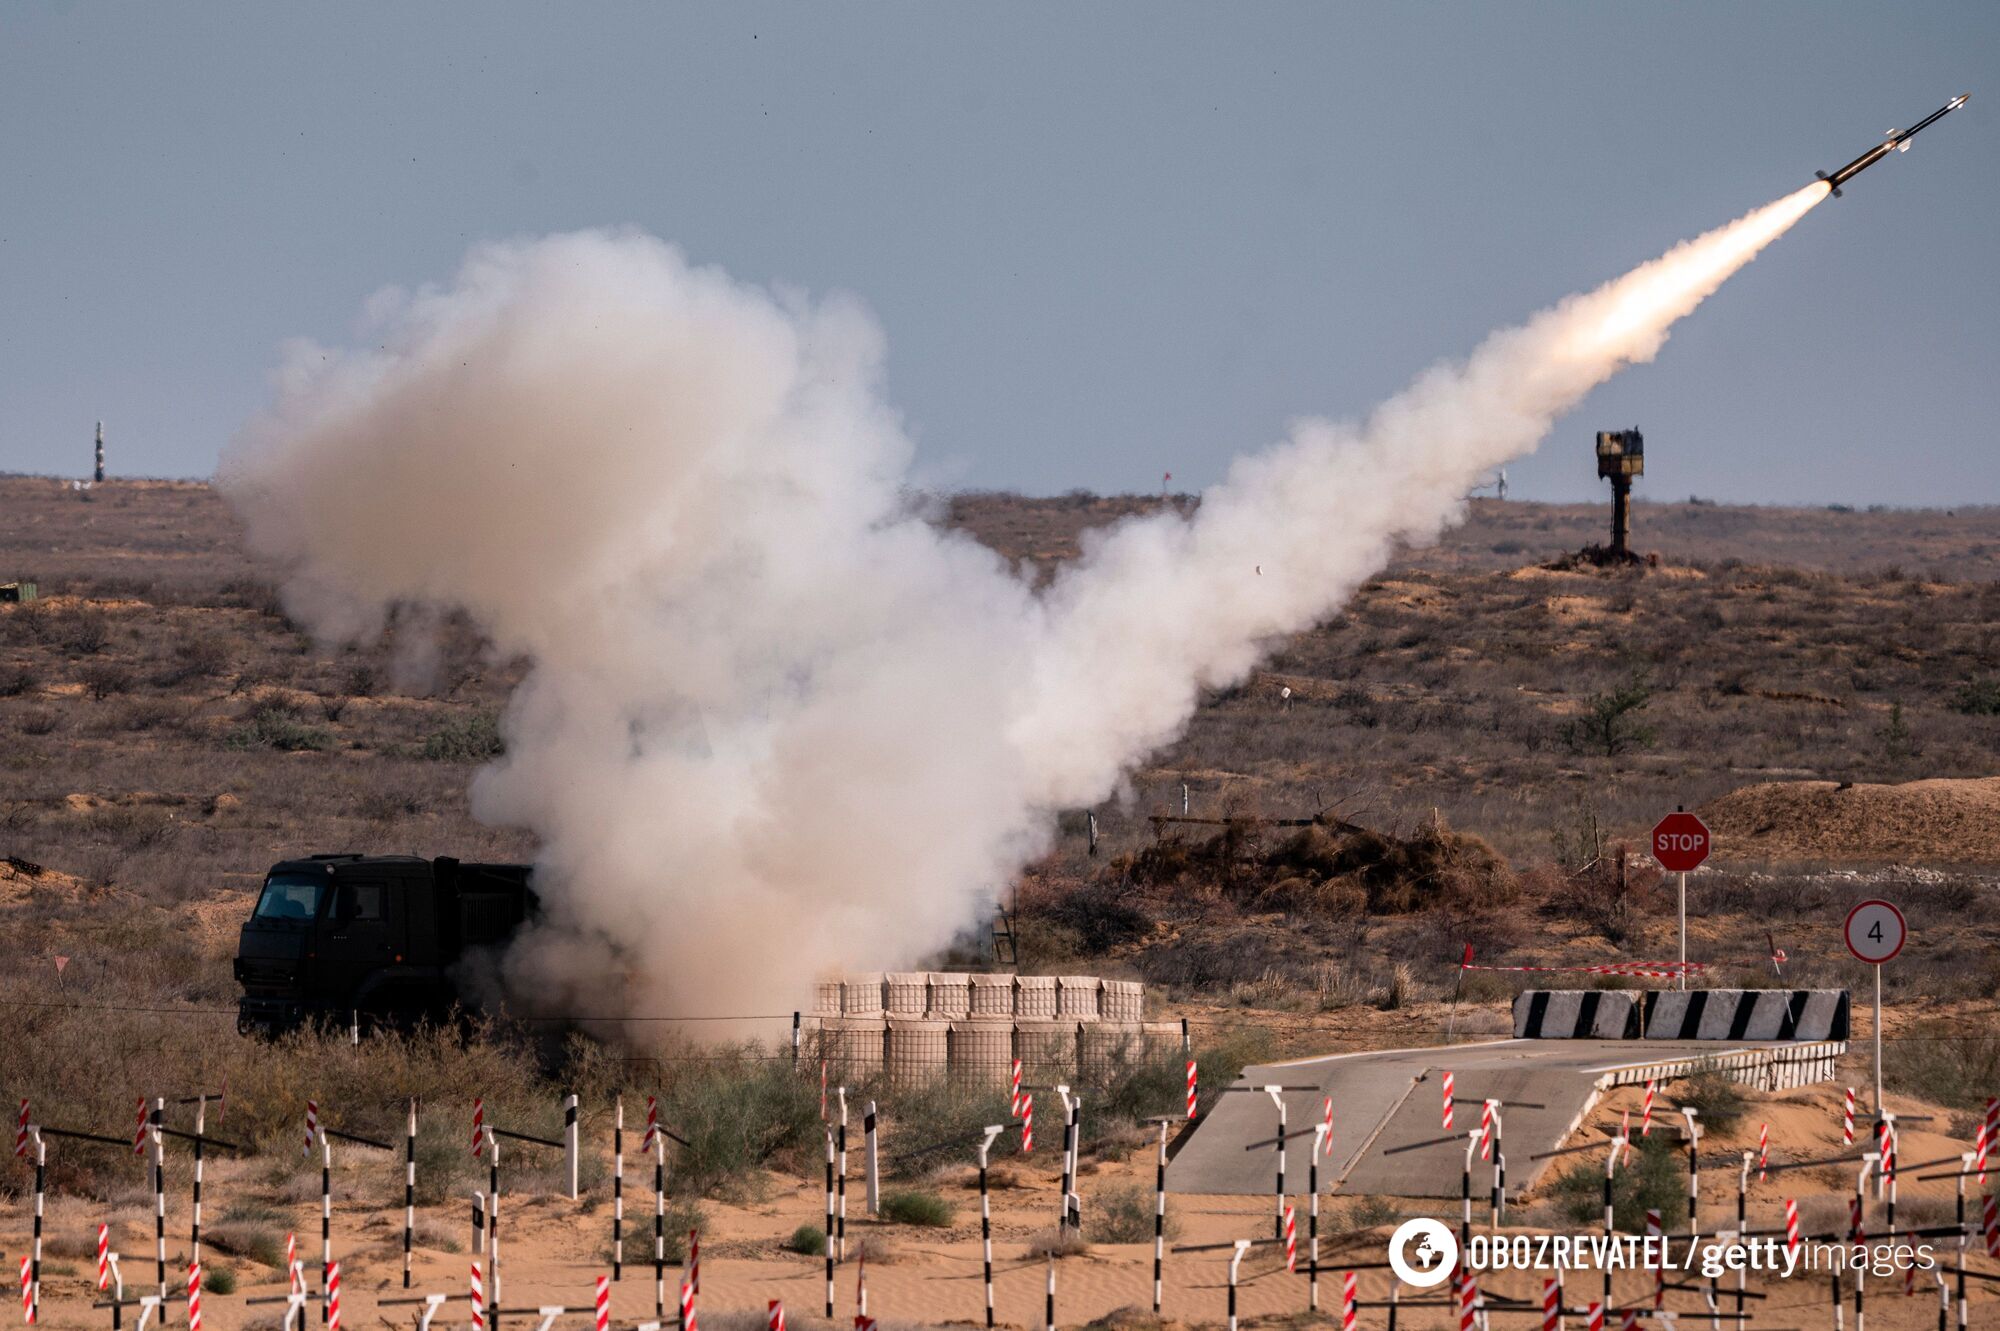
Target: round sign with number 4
<point>1875,931</point>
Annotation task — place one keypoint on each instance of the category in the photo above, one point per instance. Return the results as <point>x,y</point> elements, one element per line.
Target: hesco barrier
<point>1693,1014</point>
<point>1747,1014</point>
<point>923,1026</point>
<point>980,1054</point>
<point>915,1051</point>
<point>1576,1014</point>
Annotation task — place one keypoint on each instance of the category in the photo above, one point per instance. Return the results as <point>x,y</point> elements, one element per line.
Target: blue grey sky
<point>1105,240</point>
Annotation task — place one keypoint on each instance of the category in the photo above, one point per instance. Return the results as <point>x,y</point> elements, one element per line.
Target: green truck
<point>376,939</point>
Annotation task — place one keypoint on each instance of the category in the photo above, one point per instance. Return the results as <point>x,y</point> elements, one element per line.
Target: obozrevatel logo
<point>1422,1252</point>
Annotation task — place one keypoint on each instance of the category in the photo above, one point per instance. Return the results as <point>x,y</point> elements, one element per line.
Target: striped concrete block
<point>1576,1014</point>
<point>1747,1014</point>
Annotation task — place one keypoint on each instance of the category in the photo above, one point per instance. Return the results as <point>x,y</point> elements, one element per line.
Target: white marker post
<point>1875,933</point>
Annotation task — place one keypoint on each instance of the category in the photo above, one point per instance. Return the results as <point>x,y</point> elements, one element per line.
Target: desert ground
<point>1479,742</point>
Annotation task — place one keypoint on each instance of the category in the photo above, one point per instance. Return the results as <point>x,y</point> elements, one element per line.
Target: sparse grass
<point>1125,1215</point>
<point>1945,1064</point>
<point>466,739</point>
<point>1654,1177</point>
<point>1059,1242</point>
<point>1718,1101</point>
<point>911,1207</point>
<point>272,727</point>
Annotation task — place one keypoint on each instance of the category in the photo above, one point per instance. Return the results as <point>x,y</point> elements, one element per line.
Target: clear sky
<point>1105,240</point>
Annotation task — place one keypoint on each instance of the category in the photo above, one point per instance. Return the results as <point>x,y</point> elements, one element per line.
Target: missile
<point>1897,140</point>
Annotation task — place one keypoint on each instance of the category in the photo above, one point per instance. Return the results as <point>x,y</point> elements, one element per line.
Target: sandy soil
<point>553,1250</point>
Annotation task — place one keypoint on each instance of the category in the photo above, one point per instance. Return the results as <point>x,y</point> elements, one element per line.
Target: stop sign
<point>1680,842</point>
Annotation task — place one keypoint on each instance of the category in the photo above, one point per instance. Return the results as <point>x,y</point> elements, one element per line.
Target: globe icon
<point>1425,1254</point>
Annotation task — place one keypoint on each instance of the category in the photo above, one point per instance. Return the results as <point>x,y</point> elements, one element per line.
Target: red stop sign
<point>1680,842</point>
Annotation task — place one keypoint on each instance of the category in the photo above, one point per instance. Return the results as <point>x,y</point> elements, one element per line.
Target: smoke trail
<point>776,722</point>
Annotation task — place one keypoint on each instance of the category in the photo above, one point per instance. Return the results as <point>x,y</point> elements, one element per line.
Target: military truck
<point>374,938</point>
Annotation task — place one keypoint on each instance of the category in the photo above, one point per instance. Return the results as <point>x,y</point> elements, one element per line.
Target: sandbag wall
<point>922,1027</point>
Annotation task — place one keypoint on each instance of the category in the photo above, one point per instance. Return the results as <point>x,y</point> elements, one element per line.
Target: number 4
<point>1875,931</point>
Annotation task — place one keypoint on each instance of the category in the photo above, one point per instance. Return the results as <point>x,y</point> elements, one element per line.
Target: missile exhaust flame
<point>776,722</point>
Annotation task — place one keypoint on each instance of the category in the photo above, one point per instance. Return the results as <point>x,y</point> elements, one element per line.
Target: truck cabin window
<point>357,901</point>
<point>290,897</point>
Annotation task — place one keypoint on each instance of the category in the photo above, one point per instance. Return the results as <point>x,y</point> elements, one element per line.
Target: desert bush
<point>1612,724</point>
<point>105,679</point>
<point>739,1112</point>
<point>469,739</point>
<point>1062,1241</point>
<point>195,655</point>
<point>1719,1101</point>
<point>274,727</point>
<point>911,1207</point>
<point>808,1239</point>
<point>218,1280</point>
<point>41,721</point>
<point>1978,697</point>
<point>1939,1062</point>
<point>17,680</point>
<point>1362,1214</point>
<point>83,632</point>
<point>1125,1215</point>
<point>1653,1178</point>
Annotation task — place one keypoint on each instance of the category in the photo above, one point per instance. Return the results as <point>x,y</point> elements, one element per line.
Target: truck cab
<point>339,937</point>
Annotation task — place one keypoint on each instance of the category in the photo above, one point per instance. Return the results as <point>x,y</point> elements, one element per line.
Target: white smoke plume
<point>777,723</point>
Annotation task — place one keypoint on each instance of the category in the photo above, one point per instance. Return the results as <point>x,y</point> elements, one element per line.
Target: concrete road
<point>1394,1098</point>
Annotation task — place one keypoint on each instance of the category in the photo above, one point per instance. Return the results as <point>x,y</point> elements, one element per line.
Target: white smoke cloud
<point>776,722</point>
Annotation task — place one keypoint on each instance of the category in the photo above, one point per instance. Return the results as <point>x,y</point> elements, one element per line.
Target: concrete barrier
<point>1576,1014</point>
<point>1747,1014</point>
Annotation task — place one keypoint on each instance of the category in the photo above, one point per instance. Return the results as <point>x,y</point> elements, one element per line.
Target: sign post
<point>1875,934</point>
<point>1680,843</point>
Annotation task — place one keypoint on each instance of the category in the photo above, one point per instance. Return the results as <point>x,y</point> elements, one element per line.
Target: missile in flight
<point>1897,140</point>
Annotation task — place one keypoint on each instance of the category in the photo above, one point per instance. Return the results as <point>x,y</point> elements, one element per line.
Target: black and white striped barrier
<point>1747,1014</point>
<point>1576,1014</point>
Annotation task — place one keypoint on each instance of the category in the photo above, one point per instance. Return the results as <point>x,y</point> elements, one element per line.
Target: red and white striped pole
<point>1028,1124</point>
<point>1791,1225</point>
<point>1326,1137</point>
<point>139,1132</point>
<point>1763,1150</point>
<point>1486,1129</point>
<point>1552,1307</point>
<point>603,1303</point>
<point>27,1291</point>
<point>1350,1301</point>
<point>1447,1100</point>
<point>652,1125</point>
<point>312,1125</point>
<point>688,1322</point>
<point>1191,1088</point>
<point>1991,1219</point>
<point>1014,1099</point>
<point>104,1256</point>
<point>478,1298</point>
<point>1291,1238</point>
<point>194,1296</point>
<point>1646,1111</point>
<point>1987,1129</point>
<point>1596,1317</point>
<point>776,1319</point>
<point>478,1127</point>
<point>333,1297</point>
<point>1468,1302</point>
<point>21,1133</point>
<point>1847,1119</point>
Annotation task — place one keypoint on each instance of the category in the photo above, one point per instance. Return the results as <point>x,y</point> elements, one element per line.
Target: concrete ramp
<point>1388,1109</point>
